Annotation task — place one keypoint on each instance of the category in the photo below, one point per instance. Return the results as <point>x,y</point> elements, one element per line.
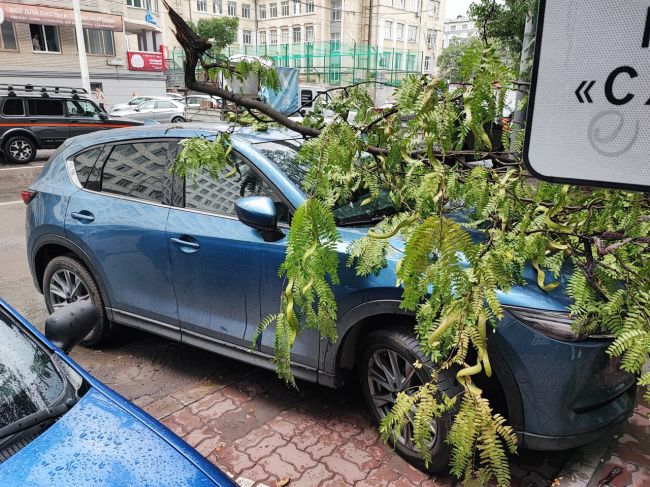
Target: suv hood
<point>99,443</point>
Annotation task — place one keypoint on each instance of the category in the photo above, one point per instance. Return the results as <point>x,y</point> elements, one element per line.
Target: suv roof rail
<point>44,90</point>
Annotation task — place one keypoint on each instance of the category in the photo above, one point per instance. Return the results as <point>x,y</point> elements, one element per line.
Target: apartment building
<point>458,31</point>
<point>123,39</point>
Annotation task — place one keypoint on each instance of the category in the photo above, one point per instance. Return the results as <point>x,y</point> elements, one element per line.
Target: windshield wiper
<point>32,420</point>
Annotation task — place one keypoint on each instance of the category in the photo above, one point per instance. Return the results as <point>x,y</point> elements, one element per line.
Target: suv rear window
<point>13,107</point>
<point>137,170</point>
<point>84,163</point>
<point>45,107</point>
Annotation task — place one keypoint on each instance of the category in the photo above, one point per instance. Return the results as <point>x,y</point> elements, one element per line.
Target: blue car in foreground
<point>59,426</point>
<point>197,261</point>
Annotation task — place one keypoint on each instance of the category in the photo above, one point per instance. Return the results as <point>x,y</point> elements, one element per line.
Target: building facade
<point>458,31</point>
<point>123,41</point>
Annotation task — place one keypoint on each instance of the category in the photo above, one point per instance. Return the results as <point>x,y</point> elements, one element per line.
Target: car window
<point>203,192</point>
<point>148,106</point>
<point>137,101</point>
<point>81,108</point>
<point>84,163</point>
<point>13,107</point>
<point>45,107</point>
<point>137,170</point>
<point>165,104</point>
<point>28,379</point>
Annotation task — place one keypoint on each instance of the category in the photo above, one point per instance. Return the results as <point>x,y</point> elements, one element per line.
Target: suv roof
<point>45,91</point>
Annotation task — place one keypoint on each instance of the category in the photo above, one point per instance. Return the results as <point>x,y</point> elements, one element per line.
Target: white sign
<point>589,107</point>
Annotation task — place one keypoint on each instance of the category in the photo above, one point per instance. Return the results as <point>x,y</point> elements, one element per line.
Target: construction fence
<point>330,63</point>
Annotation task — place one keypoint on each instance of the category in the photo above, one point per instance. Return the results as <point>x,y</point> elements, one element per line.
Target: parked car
<point>59,426</point>
<point>138,100</point>
<point>163,111</point>
<point>33,118</point>
<point>197,261</point>
<point>194,101</point>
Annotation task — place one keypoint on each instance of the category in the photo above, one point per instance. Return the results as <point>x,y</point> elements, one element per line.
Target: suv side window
<point>219,195</point>
<point>45,107</point>
<point>81,108</point>
<point>137,170</point>
<point>13,107</point>
<point>84,163</point>
<point>165,104</point>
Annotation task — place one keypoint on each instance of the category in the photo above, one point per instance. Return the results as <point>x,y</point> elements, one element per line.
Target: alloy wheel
<point>20,150</point>
<point>388,374</point>
<point>67,287</point>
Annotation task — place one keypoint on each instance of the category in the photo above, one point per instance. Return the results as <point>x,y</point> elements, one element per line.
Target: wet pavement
<point>248,423</point>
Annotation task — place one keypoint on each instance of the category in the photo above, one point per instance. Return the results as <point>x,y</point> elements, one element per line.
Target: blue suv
<point>197,261</point>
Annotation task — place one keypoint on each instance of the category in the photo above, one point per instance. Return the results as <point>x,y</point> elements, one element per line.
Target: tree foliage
<point>452,62</point>
<point>222,31</point>
<point>469,230</point>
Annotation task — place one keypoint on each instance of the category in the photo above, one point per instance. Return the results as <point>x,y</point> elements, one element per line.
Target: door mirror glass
<point>259,213</point>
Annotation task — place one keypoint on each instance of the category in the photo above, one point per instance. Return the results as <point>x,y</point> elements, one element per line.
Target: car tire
<point>178,119</point>
<point>401,342</point>
<point>66,269</point>
<point>19,149</point>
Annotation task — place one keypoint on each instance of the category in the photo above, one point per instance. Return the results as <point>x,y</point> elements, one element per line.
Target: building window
<point>285,8</point>
<point>247,37</point>
<point>410,62</point>
<point>400,4</point>
<point>245,11</point>
<point>232,9</point>
<point>8,37</point>
<point>99,42</point>
<point>415,5</point>
<point>262,11</point>
<point>431,38</point>
<point>216,7</point>
<point>413,33</point>
<point>274,36</point>
<point>45,38</point>
<point>335,41</point>
<point>397,60</point>
<point>273,10</point>
<point>296,7</point>
<point>310,6</point>
<point>427,63</point>
<point>388,30</point>
<point>384,60</point>
<point>309,33</point>
<point>146,4</point>
<point>463,27</point>
<point>262,37</point>
<point>400,32</point>
<point>452,27</point>
<point>202,5</point>
<point>285,36</point>
<point>433,8</point>
<point>296,35</point>
<point>336,10</point>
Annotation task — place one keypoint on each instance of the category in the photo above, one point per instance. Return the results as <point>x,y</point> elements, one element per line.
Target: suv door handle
<point>186,241</point>
<point>83,216</point>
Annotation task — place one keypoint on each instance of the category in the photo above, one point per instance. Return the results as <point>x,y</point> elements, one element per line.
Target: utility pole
<point>524,75</point>
<point>81,48</point>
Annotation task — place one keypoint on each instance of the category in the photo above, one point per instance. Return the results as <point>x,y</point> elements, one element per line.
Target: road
<point>16,177</point>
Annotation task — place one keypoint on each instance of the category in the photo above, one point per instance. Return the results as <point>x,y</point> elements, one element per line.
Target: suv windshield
<point>283,154</point>
<point>29,381</point>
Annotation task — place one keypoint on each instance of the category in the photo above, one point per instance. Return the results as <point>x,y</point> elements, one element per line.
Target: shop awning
<point>36,14</point>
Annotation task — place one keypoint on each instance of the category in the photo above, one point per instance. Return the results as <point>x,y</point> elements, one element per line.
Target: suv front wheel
<point>386,368</point>
<point>20,149</point>
<point>65,280</point>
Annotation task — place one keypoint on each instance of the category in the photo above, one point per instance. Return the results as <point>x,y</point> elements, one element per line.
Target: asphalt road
<point>242,418</point>
<point>16,177</point>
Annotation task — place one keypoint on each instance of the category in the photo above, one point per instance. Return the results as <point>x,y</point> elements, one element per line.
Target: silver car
<point>163,111</point>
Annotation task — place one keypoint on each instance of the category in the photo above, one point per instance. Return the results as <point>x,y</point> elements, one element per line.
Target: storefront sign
<point>145,61</point>
<point>588,109</point>
<point>35,14</point>
<point>115,62</point>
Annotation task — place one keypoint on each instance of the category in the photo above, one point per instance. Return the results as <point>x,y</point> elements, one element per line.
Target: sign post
<point>589,106</point>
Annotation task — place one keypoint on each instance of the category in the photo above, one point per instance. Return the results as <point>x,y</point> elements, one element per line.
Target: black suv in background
<point>33,118</point>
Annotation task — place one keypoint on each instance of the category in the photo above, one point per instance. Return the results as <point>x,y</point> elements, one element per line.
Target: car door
<point>119,219</point>
<point>144,111</point>
<point>216,260</point>
<point>165,111</point>
<point>83,117</point>
<point>47,120</point>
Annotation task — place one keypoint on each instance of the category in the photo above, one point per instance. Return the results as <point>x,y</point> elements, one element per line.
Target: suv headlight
<point>554,324</point>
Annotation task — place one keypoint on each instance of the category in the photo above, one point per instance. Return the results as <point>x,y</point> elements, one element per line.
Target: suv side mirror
<point>259,213</point>
<point>68,325</point>
<point>103,116</point>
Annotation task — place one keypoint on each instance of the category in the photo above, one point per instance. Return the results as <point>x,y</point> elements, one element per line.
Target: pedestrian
<point>36,43</point>
<point>99,94</point>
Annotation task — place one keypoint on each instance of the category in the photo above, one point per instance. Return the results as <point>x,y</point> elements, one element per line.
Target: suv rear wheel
<point>386,368</point>
<point>20,149</point>
<point>65,280</point>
